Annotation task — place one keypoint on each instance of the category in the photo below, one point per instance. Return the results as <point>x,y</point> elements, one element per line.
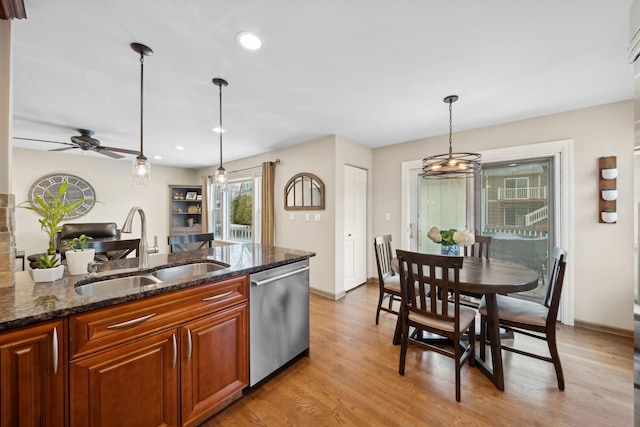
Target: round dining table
<point>489,277</point>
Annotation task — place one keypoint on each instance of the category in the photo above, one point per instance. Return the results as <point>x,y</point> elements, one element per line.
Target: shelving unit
<point>185,204</point>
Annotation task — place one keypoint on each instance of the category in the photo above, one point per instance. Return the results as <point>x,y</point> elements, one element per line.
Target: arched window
<point>304,191</point>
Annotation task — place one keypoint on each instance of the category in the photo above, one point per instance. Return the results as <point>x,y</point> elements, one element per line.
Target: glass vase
<point>450,250</point>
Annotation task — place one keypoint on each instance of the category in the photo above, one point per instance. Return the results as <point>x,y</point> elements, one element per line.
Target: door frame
<point>562,152</point>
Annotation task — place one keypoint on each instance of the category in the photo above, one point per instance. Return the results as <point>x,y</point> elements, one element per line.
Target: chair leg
<point>458,355</point>
<point>380,298</point>
<point>403,346</point>
<point>472,344</point>
<point>555,357</point>
<point>483,336</point>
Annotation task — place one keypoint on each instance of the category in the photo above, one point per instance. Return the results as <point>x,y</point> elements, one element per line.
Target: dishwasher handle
<point>281,276</point>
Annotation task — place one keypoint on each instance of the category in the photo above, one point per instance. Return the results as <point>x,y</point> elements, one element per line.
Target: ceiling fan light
<point>141,172</point>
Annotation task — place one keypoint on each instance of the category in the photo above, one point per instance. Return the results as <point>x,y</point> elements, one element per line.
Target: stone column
<point>7,244</point>
<point>7,200</point>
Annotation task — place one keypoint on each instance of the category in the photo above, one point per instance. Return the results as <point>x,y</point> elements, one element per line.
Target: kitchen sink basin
<point>186,271</point>
<point>103,287</point>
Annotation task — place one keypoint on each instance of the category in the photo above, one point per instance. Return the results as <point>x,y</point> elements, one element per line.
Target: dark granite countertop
<point>28,302</point>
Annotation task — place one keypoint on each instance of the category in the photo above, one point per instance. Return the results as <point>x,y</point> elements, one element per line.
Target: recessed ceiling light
<point>218,130</point>
<point>178,147</point>
<point>249,41</point>
<point>157,157</point>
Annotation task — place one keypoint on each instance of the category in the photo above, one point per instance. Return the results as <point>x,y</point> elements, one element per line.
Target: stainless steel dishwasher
<point>278,318</point>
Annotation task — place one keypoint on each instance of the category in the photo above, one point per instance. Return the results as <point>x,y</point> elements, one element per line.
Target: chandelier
<point>451,165</point>
<point>141,165</point>
<point>221,176</point>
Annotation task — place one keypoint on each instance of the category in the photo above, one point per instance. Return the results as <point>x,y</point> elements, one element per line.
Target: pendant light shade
<point>221,176</point>
<point>451,165</point>
<point>141,165</point>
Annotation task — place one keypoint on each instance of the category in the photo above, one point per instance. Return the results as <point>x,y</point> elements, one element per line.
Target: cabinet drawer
<point>103,328</point>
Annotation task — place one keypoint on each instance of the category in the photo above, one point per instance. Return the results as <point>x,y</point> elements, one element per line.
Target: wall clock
<point>77,188</point>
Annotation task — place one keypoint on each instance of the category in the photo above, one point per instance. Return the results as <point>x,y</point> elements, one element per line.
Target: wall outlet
<point>318,217</point>
<point>387,216</point>
<point>292,216</point>
<point>308,217</point>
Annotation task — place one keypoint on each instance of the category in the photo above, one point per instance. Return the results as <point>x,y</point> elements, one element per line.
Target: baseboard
<point>326,294</point>
<point>602,328</point>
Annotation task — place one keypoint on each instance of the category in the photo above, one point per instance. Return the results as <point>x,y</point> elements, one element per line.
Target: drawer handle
<point>175,350</point>
<point>189,344</point>
<point>217,296</point>
<point>131,322</point>
<point>55,350</point>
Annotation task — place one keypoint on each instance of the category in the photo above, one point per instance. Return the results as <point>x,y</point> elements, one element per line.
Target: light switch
<point>308,217</point>
<point>387,216</point>
<point>292,216</point>
<point>318,217</point>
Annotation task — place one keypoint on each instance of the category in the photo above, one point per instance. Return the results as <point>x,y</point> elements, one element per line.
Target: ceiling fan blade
<point>110,154</point>
<point>120,150</point>
<point>63,149</point>
<point>43,140</point>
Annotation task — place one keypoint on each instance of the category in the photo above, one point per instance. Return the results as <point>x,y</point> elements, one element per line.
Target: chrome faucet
<point>143,250</point>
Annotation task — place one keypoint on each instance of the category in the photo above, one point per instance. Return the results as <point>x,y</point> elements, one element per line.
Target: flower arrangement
<point>451,237</point>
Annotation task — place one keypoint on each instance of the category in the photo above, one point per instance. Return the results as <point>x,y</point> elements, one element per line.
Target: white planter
<point>77,262</point>
<point>609,216</point>
<point>609,195</point>
<point>610,173</point>
<point>47,274</point>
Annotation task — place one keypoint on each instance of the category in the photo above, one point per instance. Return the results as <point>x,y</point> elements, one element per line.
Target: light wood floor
<point>351,378</point>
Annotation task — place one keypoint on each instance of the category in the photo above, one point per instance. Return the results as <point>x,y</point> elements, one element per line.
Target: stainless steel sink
<point>178,272</point>
<point>104,287</point>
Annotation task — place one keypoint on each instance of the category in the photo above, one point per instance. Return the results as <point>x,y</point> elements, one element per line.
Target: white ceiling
<point>373,71</point>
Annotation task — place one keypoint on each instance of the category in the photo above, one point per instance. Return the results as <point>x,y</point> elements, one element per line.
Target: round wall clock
<point>77,188</point>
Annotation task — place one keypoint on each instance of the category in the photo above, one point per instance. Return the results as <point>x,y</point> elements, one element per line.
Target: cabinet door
<point>214,362</point>
<point>33,376</point>
<point>134,384</point>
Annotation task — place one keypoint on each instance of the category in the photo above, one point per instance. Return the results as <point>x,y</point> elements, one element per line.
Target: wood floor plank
<point>351,379</point>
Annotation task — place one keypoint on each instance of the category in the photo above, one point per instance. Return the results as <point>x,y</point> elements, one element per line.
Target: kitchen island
<point>169,354</point>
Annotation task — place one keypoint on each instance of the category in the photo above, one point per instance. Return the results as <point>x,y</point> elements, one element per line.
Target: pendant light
<point>141,165</point>
<point>221,176</point>
<point>451,165</point>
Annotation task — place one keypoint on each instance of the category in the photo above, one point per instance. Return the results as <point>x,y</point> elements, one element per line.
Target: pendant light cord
<point>450,126</point>
<point>141,103</point>
<point>220,102</point>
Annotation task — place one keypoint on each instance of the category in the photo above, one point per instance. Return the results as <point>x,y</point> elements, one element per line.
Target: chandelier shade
<point>141,165</point>
<point>451,165</point>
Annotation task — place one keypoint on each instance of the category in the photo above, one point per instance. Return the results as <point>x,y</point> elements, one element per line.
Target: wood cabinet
<point>174,359</point>
<point>215,363</point>
<point>185,209</point>
<point>33,376</point>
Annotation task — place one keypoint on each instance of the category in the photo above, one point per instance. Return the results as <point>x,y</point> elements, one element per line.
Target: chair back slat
<point>480,248</point>
<point>426,280</point>
<point>555,282</point>
<point>382,245</point>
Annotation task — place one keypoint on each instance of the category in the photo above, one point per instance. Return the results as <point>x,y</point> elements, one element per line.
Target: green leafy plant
<point>47,261</point>
<point>79,242</point>
<point>53,211</point>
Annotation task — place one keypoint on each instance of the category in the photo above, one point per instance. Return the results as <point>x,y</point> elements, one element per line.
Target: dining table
<point>489,277</point>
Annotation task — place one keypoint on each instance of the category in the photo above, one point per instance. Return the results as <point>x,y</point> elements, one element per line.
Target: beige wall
<point>325,158</point>
<point>111,179</point>
<point>603,258</point>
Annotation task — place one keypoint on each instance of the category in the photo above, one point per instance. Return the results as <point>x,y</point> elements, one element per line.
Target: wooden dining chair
<point>480,247</point>
<point>422,277</point>
<point>531,318</point>
<point>388,280</point>
<point>182,242</point>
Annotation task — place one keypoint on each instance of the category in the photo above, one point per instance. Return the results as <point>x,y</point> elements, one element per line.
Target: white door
<point>355,227</point>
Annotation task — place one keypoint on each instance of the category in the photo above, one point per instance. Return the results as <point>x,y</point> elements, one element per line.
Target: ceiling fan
<point>86,142</point>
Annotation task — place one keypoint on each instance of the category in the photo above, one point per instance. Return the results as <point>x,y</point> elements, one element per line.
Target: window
<point>237,210</point>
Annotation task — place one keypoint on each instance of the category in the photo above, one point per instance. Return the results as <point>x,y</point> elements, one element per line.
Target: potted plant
<point>53,210</point>
<point>451,239</point>
<point>48,269</point>
<point>78,257</point>
<point>609,216</point>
